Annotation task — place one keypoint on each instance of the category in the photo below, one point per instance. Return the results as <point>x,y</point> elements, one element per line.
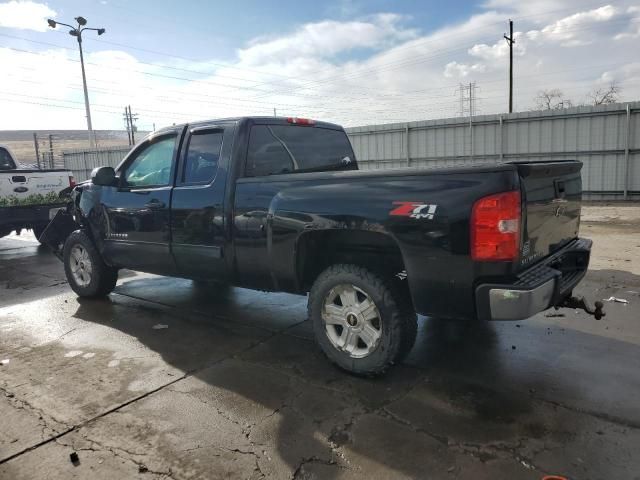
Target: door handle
<point>155,203</point>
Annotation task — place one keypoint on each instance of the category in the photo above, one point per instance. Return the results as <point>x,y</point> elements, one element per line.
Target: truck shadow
<point>477,384</point>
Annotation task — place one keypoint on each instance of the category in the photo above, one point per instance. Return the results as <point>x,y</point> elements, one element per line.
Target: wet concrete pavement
<point>169,379</point>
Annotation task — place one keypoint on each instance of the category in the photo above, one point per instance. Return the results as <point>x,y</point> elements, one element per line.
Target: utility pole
<point>510,40</point>
<point>132,119</point>
<point>274,112</point>
<point>77,32</point>
<point>51,151</point>
<point>126,120</point>
<point>35,144</point>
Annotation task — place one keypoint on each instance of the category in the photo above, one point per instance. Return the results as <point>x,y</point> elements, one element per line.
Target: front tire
<point>86,272</point>
<point>362,322</point>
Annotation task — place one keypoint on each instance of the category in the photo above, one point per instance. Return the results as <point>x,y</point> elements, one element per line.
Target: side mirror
<point>104,176</point>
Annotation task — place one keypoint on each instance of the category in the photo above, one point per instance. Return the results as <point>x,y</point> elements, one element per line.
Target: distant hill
<point>21,141</point>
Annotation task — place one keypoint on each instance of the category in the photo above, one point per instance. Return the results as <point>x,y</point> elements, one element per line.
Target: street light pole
<point>77,32</point>
<point>92,137</point>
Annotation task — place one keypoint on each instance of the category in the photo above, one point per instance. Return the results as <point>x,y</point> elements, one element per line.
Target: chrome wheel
<point>80,264</point>
<point>352,321</point>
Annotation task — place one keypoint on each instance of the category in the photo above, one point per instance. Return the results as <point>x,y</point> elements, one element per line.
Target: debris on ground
<point>554,315</point>
<point>160,326</point>
<point>617,300</point>
<point>73,456</point>
<point>5,361</point>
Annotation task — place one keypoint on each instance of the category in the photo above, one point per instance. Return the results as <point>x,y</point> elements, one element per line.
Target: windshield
<point>6,162</point>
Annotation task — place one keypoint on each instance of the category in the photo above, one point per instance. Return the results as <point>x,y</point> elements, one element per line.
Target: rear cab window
<point>278,149</point>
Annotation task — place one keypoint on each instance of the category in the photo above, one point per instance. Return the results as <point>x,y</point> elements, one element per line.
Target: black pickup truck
<point>279,204</point>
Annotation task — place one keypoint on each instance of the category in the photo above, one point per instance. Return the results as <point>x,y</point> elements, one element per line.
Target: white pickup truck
<point>29,197</point>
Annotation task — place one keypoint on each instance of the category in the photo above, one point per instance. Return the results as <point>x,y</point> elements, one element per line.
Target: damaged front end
<point>62,225</point>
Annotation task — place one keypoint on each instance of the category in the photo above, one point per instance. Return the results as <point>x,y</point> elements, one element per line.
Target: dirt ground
<point>166,379</point>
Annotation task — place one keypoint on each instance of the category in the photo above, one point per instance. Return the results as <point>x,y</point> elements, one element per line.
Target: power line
<point>310,85</point>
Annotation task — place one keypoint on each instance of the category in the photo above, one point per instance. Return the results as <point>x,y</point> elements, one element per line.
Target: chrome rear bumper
<point>544,285</point>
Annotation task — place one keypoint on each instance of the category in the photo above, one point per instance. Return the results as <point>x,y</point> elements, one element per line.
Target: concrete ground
<point>165,379</point>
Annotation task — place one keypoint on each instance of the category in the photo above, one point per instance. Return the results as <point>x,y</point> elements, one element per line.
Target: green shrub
<point>35,199</point>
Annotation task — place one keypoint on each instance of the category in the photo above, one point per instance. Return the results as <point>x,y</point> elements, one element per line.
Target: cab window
<point>152,165</point>
<point>203,155</point>
<point>277,149</point>
<point>6,162</point>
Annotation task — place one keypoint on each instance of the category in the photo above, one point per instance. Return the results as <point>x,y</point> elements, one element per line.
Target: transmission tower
<point>467,92</point>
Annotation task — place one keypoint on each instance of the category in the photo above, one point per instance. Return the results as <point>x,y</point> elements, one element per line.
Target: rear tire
<point>86,272</point>
<point>362,322</point>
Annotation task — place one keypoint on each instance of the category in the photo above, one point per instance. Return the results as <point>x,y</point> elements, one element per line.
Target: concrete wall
<point>605,138</point>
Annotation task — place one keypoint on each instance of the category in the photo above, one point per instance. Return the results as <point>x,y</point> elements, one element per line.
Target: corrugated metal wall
<point>81,162</point>
<point>605,138</point>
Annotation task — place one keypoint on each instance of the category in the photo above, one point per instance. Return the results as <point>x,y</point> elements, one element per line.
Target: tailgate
<point>552,194</point>
<point>22,184</point>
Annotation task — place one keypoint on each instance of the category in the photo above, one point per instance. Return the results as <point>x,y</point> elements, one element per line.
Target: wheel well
<point>373,250</point>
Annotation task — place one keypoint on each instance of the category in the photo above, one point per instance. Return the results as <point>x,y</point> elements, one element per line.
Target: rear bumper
<point>542,286</point>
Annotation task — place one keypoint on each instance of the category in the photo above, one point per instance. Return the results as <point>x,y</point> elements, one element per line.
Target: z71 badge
<point>414,210</point>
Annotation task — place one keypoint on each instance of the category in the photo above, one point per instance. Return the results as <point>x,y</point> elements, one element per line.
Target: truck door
<point>138,230</point>
<point>197,208</point>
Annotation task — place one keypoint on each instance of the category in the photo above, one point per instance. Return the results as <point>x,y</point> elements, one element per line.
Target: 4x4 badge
<point>414,210</point>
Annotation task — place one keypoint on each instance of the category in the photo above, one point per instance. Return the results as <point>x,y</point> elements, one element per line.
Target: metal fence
<point>605,138</point>
<point>81,162</point>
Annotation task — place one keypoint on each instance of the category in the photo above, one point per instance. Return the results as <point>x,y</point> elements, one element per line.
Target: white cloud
<point>634,25</point>
<point>397,74</point>
<point>328,38</point>
<point>576,29</point>
<point>25,15</point>
<point>461,70</point>
<point>498,50</point>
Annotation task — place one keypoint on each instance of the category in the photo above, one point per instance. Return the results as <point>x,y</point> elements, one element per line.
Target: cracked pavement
<point>235,387</point>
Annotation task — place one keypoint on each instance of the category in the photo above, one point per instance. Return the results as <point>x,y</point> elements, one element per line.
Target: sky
<point>353,62</point>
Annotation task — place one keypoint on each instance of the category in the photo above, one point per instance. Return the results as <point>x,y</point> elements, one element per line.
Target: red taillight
<point>300,121</point>
<point>72,181</point>
<point>495,227</point>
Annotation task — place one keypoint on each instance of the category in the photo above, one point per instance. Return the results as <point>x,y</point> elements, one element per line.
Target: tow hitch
<point>582,303</point>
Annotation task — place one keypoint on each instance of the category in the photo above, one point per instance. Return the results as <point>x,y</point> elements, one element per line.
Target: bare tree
<point>605,95</point>
<point>551,100</point>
